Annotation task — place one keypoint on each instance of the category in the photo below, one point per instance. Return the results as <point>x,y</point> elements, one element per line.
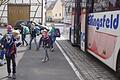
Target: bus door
<point>86,7</point>
<point>75,26</point>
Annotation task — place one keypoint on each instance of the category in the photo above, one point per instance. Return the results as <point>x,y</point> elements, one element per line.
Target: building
<point>49,13</point>
<point>13,10</point>
<point>58,11</point>
<point>48,3</point>
<point>68,11</point>
<point>55,12</point>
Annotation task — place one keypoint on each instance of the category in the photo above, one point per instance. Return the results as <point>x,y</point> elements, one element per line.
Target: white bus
<point>103,32</point>
<point>103,39</point>
<point>100,31</point>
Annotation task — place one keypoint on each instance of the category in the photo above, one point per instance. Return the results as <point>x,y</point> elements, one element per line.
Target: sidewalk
<point>89,67</point>
<point>30,66</point>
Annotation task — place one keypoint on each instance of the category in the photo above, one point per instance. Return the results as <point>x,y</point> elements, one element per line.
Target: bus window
<point>117,4</point>
<point>101,5</point>
<point>106,5</point>
<point>90,6</point>
<point>112,5</point>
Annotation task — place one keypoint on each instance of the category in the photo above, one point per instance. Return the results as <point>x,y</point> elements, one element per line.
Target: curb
<point>70,62</point>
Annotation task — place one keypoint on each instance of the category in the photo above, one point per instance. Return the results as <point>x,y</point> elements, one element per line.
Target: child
<point>24,32</point>
<point>2,55</point>
<point>10,48</point>
<point>46,44</point>
<point>2,52</point>
<point>52,36</point>
<point>33,34</point>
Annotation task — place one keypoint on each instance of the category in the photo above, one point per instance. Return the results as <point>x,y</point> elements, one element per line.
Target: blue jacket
<point>9,43</point>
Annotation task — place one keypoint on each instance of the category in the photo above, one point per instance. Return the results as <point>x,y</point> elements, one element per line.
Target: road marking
<point>70,62</point>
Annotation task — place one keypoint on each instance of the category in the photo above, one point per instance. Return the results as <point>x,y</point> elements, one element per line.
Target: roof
<point>53,4</point>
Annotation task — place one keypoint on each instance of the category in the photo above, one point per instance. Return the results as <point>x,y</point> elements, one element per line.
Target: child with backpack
<point>24,32</point>
<point>10,47</point>
<point>46,42</point>
<point>52,37</point>
<point>33,34</point>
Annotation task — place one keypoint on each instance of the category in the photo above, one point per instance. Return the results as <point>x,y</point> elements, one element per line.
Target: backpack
<point>9,40</point>
<point>26,29</point>
<point>57,32</point>
<point>37,29</point>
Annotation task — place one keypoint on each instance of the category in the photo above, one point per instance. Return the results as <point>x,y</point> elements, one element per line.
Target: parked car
<point>18,26</point>
<point>28,24</point>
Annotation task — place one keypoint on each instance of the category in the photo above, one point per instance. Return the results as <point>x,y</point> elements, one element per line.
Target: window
<point>90,6</point>
<point>106,5</point>
<point>59,14</point>
<point>117,4</point>
<point>100,5</point>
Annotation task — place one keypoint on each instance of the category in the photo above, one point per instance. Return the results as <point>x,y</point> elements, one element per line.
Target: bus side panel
<point>103,33</point>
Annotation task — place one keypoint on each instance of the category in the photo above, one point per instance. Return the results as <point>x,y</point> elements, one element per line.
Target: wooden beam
<point>38,1</point>
<point>2,12</point>
<point>2,2</point>
<point>36,12</point>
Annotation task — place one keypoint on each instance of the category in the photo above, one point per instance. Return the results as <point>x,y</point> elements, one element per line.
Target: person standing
<point>33,34</point>
<point>10,51</point>
<point>45,41</point>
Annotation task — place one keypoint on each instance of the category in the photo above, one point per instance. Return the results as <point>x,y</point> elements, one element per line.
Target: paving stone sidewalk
<point>90,67</point>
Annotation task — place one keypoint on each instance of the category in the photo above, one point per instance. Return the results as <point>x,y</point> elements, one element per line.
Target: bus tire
<point>118,66</point>
<point>73,45</point>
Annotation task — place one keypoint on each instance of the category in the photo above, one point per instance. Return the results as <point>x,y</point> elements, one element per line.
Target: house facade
<point>58,11</point>
<point>13,10</point>
<point>49,8</point>
<point>55,11</point>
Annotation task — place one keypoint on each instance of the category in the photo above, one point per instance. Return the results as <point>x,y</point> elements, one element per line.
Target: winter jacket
<point>33,33</point>
<point>9,45</point>
<point>46,42</point>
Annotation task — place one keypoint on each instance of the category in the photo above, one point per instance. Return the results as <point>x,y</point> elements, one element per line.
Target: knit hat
<point>9,28</point>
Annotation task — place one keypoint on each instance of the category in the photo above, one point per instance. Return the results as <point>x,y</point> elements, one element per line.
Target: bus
<point>75,29</point>
<point>100,31</point>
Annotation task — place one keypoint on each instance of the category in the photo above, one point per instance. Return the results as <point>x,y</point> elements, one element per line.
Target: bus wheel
<point>118,68</point>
